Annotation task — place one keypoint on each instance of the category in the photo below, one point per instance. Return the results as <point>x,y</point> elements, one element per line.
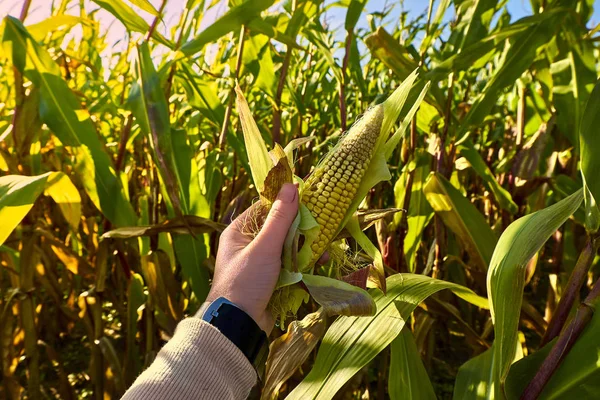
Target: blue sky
<point>40,10</point>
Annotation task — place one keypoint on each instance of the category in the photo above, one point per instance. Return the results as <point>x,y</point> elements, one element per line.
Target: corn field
<point>445,162</point>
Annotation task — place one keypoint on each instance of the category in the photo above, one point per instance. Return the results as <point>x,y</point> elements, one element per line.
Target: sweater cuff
<point>198,362</point>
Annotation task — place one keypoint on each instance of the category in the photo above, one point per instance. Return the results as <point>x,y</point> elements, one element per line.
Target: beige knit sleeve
<point>199,362</point>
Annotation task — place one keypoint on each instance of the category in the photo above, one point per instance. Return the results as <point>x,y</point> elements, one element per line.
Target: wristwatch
<point>240,328</point>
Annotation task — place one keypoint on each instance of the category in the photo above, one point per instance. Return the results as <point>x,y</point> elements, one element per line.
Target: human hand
<point>247,269</point>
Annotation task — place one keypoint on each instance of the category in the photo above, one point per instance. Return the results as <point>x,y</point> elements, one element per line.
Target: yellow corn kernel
<point>332,186</point>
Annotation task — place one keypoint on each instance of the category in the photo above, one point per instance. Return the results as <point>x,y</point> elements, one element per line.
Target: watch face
<point>212,311</point>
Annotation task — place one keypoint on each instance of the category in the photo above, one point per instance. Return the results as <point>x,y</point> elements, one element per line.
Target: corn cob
<point>331,188</point>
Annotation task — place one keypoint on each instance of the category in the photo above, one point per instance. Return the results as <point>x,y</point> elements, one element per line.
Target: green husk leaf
<point>353,226</point>
<point>258,155</point>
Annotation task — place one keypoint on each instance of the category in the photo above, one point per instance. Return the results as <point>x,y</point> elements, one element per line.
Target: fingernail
<point>287,194</point>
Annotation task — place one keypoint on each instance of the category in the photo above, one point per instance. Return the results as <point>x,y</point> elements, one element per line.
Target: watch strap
<point>241,330</point>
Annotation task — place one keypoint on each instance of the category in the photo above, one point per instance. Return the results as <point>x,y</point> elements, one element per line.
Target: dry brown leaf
<point>366,218</point>
<point>289,351</point>
<point>181,225</point>
<point>358,278</point>
<point>277,176</point>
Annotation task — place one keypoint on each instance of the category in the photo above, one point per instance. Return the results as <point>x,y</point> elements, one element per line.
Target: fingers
<point>280,218</point>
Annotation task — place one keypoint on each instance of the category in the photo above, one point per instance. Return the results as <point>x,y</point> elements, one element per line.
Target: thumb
<point>280,218</point>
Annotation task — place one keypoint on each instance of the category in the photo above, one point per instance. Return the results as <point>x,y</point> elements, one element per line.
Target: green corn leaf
<point>418,216</point>
<point>590,158</point>
<point>355,8</point>
<point>176,165</point>
<point>146,6</point>
<point>66,195</point>
<point>320,40</point>
<point>149,106</point>
<point>19,193</point>
<point>391,53</point>
<point>232,20</point>
<point>577,376</point>
<point>502,196</point>
<point>201,94</point>
<point>475,21</point>
<point>135,299</point>
<point>356,68</point>
<point>396,57</point>
<point>515,60</point>
<point>506,277</point>
<point>433,32</point>
<point>131,19</point>
<point>262,26</point>
<point>61,111</point>
<point>480,50</point>
<point>474,380</point>
<point>461,216</point>
<point>408,378</point>
<point>57,22</point>
<point>351,342</point>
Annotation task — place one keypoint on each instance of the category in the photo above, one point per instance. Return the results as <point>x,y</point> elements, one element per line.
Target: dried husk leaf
<point>181,225</point>
<point>289,351</point>
<point>277,176</point>
<point>366,219</point>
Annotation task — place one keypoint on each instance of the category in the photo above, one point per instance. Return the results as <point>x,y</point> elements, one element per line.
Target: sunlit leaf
<point>232,20</point>
<point>418,216</point>
<point>502,196</point>
<point>62,112</point>
<point>461,216</point>
<point>515,60</point>
<point>590,158</point>
<point>131,19</point>
<point>351,342</point>
<point>506,276</point>
<point>258,155</point>
<point>17,195</point>
<point>408,378</point>
<point>55,23</point>
<point>66,195</point>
